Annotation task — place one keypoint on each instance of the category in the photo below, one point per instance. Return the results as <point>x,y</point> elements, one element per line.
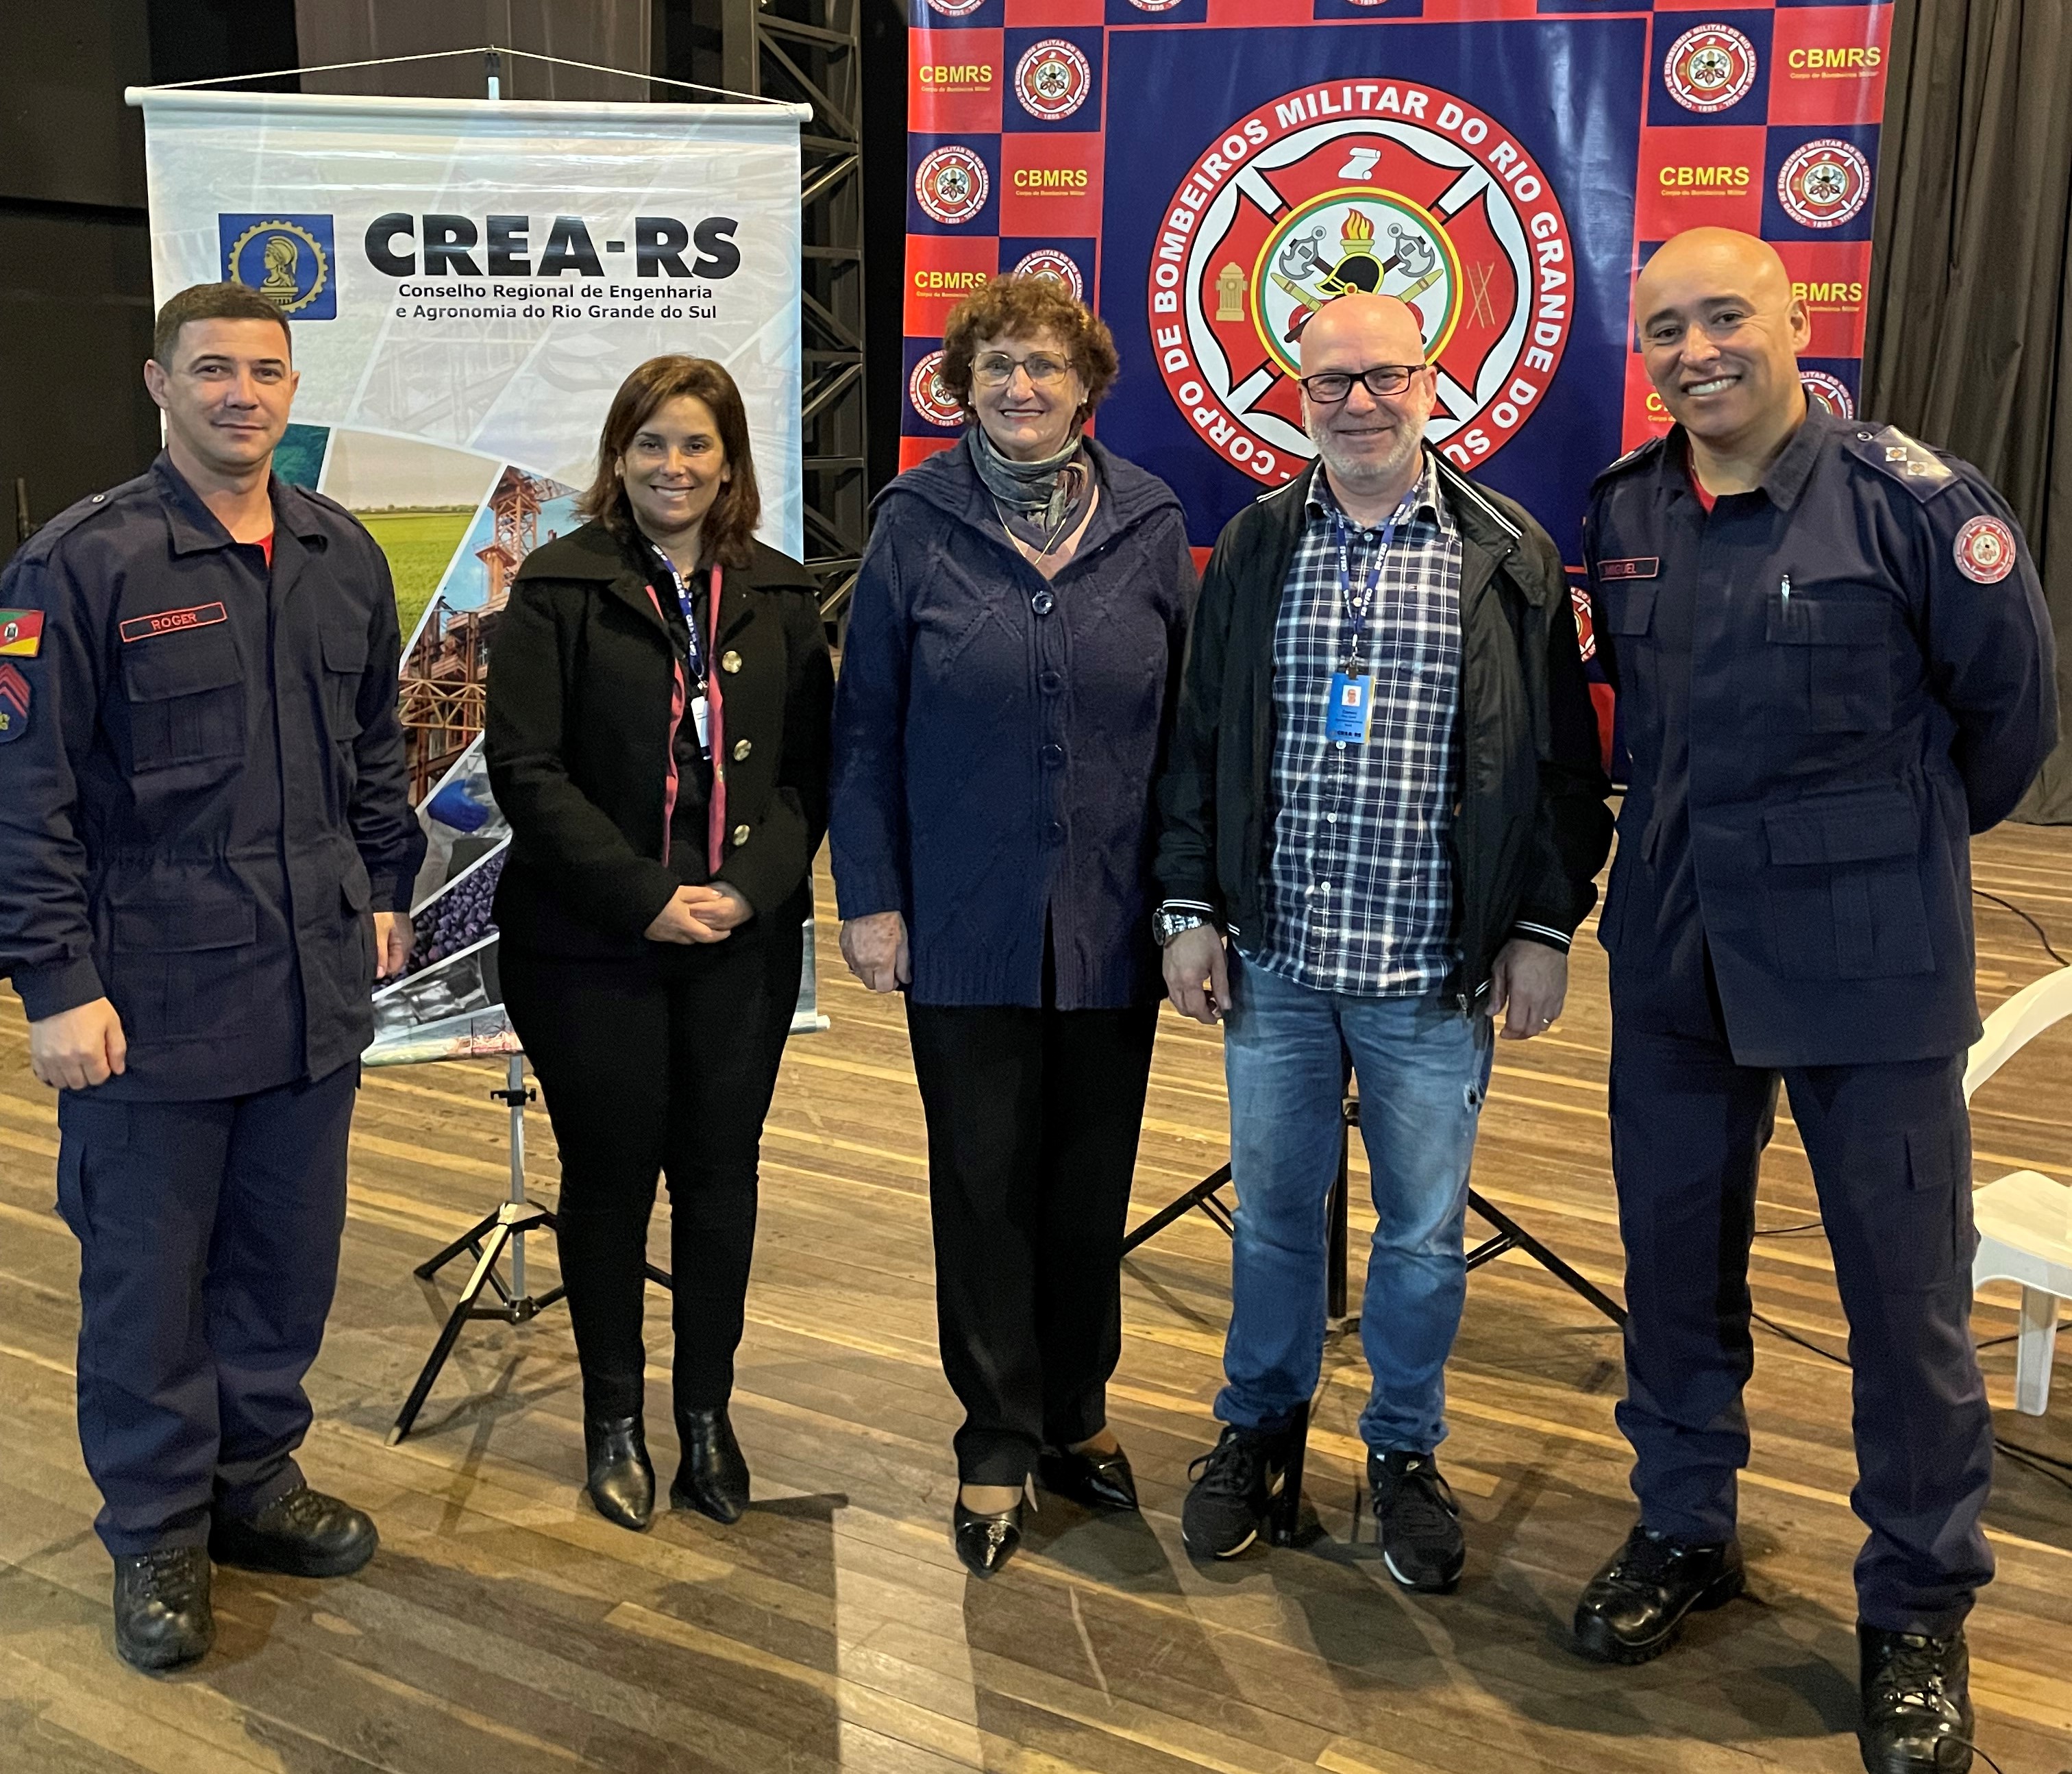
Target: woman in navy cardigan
<point>1006,692</point>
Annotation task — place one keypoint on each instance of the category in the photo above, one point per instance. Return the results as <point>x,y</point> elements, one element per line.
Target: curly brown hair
<point>1019,306</point>
<point>729,534</point>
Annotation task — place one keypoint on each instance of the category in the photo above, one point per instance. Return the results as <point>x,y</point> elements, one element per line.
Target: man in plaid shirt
<point>1403,862</point>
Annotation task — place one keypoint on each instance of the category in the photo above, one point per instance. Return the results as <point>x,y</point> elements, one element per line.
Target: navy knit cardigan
<point>996,737</point>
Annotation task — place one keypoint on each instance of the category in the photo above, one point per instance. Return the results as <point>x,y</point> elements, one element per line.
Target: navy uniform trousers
<point>1890,1149</point>
<point>208,1236</point>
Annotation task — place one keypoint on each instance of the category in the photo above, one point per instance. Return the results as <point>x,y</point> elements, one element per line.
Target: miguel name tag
<point>1352,708</point>
<point>1646,567</point>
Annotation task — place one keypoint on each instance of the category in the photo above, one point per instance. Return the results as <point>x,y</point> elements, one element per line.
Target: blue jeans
<point>1423,1069</point>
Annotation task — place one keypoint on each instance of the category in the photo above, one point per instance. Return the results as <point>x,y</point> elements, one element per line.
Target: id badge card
<point>1352,707</point>
<point>701,714</point>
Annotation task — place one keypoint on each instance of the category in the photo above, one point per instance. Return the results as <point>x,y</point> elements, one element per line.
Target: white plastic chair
<point>2025,1219</point>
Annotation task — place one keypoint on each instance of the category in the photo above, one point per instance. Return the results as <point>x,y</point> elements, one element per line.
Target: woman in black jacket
<point>657,736</point>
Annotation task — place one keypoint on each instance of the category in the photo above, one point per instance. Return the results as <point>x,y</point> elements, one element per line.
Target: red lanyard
<point>716,716</point>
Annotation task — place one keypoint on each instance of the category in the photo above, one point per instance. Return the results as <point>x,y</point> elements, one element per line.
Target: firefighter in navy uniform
<point>209,853</point>
<point>1834,663</point>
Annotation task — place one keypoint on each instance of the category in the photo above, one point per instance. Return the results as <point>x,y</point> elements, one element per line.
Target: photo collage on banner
<point>467,283</point>
<point>1206,172</point>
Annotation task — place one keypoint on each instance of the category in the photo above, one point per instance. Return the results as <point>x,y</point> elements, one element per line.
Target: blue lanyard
<point>1357,608</point>
<point>694,659</point>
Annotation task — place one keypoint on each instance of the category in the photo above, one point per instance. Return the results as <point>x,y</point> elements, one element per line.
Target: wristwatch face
<point>1166,925</point>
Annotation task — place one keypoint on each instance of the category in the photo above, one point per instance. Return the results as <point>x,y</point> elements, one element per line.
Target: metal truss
<point>811,53</point>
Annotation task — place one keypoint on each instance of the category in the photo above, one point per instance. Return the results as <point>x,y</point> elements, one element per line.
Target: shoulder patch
<point>1641,453</point>
<point>1907,460</point>
<point>1985,550</point>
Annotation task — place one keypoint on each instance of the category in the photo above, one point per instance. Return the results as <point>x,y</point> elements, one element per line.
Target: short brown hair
<point>1012,306</point>
<point>211,301</point>
<point>729,526</point>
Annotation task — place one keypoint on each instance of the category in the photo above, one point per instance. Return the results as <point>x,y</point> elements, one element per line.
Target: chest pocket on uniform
<point>1829,655</point>
<point>185,693</point>
<point>1628,609</point>
<point>345,664</point>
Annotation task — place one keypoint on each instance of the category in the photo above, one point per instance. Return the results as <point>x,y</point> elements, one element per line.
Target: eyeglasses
<point>1334,385</point>
<point>996,369</point>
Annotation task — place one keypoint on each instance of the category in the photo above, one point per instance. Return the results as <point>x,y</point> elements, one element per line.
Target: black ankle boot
<point>621,1478</point>
<point>163,1617</point>
<point>1633,1608</point>
<point>714,1477</point>
<point>1917,1702</point>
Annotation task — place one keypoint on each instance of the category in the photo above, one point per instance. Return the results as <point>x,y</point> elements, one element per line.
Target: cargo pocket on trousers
<point>1926,1240</point>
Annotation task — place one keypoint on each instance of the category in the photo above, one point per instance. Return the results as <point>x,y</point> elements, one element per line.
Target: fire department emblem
<point>1824,183</point>
<point>1830,393</point>
<point>951,183</point>
<point>955,8</point>
<point>931,399</point>
<point>1052,80</point>
<point>1709,68</point>
<point>1410,192</point>
<point>1047,261</point>
<point>1154,5</point>
<point>1985,550</point>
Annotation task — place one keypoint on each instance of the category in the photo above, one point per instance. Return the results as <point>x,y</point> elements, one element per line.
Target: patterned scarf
<point>1039,501</point>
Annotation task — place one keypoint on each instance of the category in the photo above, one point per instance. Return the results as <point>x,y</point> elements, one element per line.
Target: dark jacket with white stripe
<point>1532,830</point>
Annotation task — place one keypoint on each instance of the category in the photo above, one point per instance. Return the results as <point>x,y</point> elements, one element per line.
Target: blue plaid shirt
<point>1360,891</point>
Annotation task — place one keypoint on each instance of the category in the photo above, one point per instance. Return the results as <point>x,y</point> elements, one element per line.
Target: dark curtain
<point>1970,342</point>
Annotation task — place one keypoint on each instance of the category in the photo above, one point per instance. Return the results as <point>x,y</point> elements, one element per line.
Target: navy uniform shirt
<point>1825,686</point>
<point>202,795</point>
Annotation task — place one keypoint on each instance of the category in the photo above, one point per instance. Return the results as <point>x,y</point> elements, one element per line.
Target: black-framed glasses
<point>1329,387</point>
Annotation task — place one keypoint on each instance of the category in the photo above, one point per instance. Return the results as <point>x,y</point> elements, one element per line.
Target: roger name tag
<point>1352,707</point>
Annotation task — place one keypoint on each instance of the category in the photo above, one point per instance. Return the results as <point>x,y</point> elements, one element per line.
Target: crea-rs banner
<point>1206,172</point>
<point>466,283</point>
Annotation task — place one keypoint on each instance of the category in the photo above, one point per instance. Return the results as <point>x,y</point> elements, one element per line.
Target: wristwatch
<point>1167,922</point>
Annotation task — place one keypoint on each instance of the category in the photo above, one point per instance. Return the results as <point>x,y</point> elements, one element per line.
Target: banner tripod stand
<point>486,1241</point>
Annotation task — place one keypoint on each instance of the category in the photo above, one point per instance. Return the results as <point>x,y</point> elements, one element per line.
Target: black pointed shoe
<point>163,1616</point>
<point>1416,1520</point>
<point>1095,1480</point>
<point>1917,1702</point>
<point>1633,1608</point>
<point>618,1477</point>
<point>985,1542</point>
<point>302,1534</point>
<point>712,1478</point>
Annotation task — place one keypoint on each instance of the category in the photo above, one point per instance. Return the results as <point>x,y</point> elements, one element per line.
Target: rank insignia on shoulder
<point>1906,459</point>
<point>14,703</point>
<point>1985,550</point>
<point>21,633</point>
<point>1640,452</point>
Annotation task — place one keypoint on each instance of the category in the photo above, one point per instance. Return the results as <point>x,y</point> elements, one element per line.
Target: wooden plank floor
<point>504,1624</point>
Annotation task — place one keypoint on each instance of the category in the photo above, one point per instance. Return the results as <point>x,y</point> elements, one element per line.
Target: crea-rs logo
<point>288,259</point>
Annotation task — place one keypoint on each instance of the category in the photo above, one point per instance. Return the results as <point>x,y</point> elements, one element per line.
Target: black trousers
<point>1032,1122</point>
<point>208,1235</point>
<point>1890,1148</point>
<point>665,1064</point>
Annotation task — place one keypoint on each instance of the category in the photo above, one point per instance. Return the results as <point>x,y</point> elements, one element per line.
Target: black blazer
<point>581,672</point>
